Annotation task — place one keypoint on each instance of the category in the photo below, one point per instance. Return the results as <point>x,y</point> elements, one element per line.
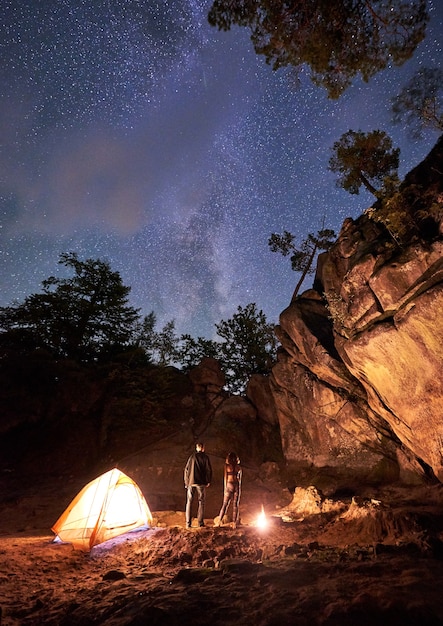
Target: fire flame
<point>262,522</point>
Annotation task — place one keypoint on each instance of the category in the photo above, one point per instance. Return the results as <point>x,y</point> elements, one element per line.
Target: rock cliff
<point>359,380</point>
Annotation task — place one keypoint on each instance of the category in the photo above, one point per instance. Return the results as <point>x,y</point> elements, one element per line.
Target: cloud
<point>118,180</point>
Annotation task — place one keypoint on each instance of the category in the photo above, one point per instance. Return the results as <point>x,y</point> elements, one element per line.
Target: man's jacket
<point>198,470</point>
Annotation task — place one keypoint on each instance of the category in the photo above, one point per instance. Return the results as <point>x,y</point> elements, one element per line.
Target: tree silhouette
<point>363,159</point>
<point>418,102</point>
<point>82,317</point>
<point>248,347</point>
<point>191,351</point>
<point>164,344</point>
<point>335,39</point>
<point>302,258</point>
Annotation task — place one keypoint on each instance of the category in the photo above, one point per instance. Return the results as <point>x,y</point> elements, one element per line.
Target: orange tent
<point>108,506</point>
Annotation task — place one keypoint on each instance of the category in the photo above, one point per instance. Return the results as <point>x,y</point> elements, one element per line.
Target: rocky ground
<point>369,558</point>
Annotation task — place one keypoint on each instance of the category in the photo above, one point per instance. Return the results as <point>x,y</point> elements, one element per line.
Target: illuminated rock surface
<point>359,381</point>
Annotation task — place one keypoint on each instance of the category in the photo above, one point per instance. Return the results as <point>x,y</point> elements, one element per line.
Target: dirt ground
<point>336,562</point>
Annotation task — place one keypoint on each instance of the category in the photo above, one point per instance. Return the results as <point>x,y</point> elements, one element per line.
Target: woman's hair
<point>232,459</point>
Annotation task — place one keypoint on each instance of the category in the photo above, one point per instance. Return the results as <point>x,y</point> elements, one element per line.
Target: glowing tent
<point>108,506</point>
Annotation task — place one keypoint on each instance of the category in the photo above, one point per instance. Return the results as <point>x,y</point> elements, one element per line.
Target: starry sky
<point>133,132</point>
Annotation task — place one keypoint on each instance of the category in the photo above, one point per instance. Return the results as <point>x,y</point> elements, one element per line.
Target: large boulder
<point>236,408</point>
<point>358,379</point>
<point>400,364</point>
<point>208,381</point>
<point>259,394</point>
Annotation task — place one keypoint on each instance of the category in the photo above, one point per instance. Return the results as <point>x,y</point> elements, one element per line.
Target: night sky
<point>134,132</point>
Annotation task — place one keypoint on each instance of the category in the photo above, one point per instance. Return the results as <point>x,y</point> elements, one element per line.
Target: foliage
<point>302,258</point>
<point>161,346</point>
<point>336,306</point>
<point>164,345</point>
<point>337,39</point>
<point>144,332</point>
<point>394,217</point>
<point>191,351</point>
<point>418,102</point>
<point>363,159</point>
<point>81,317</point>
<point>85,318</point>
<point>409,212</point>
<point>144,396</point>
<point>248,347</point>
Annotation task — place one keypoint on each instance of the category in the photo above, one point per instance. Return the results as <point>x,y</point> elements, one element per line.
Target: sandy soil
<point>348,562</point>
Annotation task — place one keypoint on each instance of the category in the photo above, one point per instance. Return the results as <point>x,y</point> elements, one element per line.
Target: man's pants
<point>201,493</point>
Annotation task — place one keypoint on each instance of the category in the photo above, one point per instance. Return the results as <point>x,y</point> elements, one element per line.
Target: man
<point>197,476</point>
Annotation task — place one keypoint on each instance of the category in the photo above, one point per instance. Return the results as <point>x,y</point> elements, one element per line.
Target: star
<point>135,132</point>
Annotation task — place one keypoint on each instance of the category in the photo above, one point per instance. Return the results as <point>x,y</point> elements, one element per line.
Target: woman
<point>232,489</point>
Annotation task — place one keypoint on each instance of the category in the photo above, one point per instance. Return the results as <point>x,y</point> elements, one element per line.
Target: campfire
<point>261,521</point>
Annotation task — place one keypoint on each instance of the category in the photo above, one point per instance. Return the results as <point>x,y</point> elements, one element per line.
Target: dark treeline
<point>86,318</point>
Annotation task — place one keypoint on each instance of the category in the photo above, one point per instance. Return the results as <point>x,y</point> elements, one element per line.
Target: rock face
<point>359,379</point>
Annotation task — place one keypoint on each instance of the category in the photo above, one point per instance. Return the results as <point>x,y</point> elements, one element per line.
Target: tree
<point>191,351</point>
<point>418,102</point>
<point>302,259</point>
<point>364,159</point>
<point>143,336</point>
<point>81,317</point>
<point>248,347</point>
<point>164,345</point>
<point>336,39</point>
<point>160,347</point>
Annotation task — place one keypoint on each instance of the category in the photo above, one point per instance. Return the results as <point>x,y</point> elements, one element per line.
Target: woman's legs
<point>235,505</point>
<point>226,501</point>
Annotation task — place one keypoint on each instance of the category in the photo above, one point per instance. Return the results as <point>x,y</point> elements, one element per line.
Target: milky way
<point>134,132</point>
